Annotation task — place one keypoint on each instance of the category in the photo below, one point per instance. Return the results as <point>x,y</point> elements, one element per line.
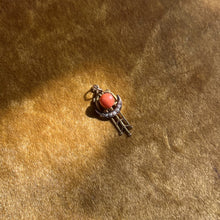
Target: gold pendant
<point>108,106</point>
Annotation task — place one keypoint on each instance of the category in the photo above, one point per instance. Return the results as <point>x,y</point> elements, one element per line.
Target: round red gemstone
<point>107,100</point>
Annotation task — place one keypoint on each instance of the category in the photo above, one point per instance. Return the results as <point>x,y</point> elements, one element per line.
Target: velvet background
<point>161,57</point>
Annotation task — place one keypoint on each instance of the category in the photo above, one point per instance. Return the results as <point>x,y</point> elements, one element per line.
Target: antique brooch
<point>108,106</point>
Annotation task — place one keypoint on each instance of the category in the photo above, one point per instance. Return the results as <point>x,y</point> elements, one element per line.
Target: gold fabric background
<point>161,57</point>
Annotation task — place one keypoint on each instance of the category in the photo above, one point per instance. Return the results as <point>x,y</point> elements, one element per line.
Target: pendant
<point>108,106</point>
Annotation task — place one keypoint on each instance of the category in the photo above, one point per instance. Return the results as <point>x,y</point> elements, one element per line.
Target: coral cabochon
<point>107,100</point>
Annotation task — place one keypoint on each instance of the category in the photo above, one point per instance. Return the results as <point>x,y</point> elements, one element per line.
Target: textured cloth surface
<point>161,57</point>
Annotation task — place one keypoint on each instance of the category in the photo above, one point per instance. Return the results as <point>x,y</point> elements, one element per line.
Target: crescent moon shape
<point>112,113</point>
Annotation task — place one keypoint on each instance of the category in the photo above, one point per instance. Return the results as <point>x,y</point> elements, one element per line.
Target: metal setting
<point>113,113</point>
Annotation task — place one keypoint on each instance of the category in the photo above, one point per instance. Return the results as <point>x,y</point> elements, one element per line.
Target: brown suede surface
<point>161,57</point>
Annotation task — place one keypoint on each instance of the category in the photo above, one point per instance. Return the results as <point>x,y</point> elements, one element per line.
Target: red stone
<point>107,100</point>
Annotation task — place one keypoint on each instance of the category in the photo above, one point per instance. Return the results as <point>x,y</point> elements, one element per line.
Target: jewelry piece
<point>108,106</point>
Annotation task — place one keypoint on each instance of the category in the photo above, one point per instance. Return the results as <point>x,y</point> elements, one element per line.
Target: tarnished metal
<point>113,113</point>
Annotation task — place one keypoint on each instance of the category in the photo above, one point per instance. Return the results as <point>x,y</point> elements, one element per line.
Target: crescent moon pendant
<point>114,112</point>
